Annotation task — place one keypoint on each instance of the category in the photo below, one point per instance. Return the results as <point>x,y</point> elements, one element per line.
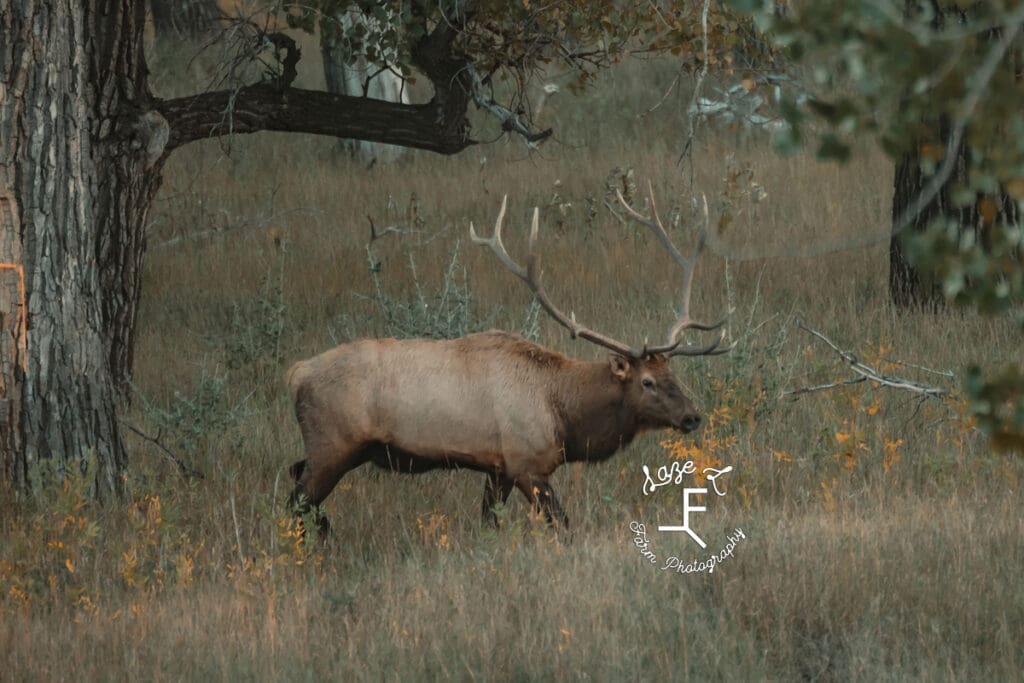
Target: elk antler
<point>531,276</point>
<point>673,345</point>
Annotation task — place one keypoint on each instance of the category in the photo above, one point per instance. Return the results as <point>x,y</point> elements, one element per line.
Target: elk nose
<point>691,422</point>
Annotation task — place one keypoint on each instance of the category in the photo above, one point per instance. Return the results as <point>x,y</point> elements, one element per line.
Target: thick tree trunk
<point>909,284</point>
<point>177,20</point>
<point>78,171</point>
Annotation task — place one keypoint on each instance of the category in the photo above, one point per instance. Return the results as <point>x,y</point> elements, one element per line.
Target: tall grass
<point>883,538</point>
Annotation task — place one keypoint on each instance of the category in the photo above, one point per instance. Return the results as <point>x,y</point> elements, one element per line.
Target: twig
<point>692,129</point>
<point>377,234</point>
<point>238,535</point>
<point>664,96</point>
<point>941,373</point>
<point>866,372</point>
<point>186,470</point>
<point>615,213</point>
<point>824,387</point>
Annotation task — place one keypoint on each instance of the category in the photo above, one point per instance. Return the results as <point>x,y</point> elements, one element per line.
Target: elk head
<point>643,372</point>
<point>654,393</point>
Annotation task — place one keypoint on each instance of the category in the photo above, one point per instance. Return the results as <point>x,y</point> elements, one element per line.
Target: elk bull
<point>490,402</point>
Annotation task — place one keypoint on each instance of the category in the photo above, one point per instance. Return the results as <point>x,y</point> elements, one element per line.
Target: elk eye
<point>647,382</point>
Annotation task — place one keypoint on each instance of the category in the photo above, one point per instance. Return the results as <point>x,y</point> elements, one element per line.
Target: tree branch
<point>865,372</point>
<point>187,471</point>
<point>292,54</point>
<point>510,121</point>
<point>431,126</point>
<point>438,126</point>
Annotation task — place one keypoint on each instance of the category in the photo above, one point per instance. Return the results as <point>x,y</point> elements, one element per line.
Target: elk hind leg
<point>496,490</point>
<point>315,478</point>
<point>299,502</point>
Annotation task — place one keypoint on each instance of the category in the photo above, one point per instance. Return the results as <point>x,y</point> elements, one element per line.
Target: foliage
<point>516,39</point>
<point>445,312</point>
<point>192,419</point>
<point>916,76</point>
<point>256,331</point>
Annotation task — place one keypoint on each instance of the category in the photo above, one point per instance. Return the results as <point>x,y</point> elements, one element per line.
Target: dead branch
<point>867,373</point>
<point>187,471</point>
<point>376,234</point>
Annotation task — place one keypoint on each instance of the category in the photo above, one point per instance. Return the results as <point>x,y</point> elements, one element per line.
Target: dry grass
<point>884,541</point>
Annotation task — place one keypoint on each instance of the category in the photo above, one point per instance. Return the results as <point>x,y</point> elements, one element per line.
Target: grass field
<point>883,539</point>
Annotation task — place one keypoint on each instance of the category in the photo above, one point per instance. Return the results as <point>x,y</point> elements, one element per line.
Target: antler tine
<point>496,245</point>
<point>656,226</point>
<point>672,343</point>
<point>531,276</point>
<point>712,349</point>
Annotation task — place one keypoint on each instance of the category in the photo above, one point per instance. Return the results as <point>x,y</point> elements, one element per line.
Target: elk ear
<point>619,366</point>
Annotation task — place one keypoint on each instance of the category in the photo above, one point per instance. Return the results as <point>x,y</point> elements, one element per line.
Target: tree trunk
<point>358,77</point>
<point>909,284</point>
<point>177,20</point>
<point>79,166</point>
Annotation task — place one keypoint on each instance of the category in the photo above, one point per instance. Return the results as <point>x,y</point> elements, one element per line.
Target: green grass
<point>866,557</point>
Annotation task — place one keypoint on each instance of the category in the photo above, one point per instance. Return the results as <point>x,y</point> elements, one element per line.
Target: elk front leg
<point>542,497</point>
<point>496,490</point>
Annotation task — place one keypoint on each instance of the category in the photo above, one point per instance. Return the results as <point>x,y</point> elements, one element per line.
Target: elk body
<point>491,402</point>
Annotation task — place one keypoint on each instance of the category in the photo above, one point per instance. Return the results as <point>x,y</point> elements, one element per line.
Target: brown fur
<point>491,402</point>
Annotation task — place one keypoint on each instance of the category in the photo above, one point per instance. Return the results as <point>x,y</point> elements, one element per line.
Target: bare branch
<point>692,118</point>
<point>510,121</point>
<point>187,471</point>
<point>264,106</point>
<point>824,387</point>
<point>866,372</point>
<point>376,234</point>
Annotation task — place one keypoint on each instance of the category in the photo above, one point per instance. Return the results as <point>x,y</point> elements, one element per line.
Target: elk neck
<point>596,420</point>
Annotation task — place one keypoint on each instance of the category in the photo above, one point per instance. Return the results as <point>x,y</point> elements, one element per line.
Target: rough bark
<point>909,285</point>
<point>77,175</point>
<point>438,126</point>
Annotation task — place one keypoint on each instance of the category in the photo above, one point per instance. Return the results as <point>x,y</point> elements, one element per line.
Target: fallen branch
<point>187,471</point>
<point>867,373</point>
